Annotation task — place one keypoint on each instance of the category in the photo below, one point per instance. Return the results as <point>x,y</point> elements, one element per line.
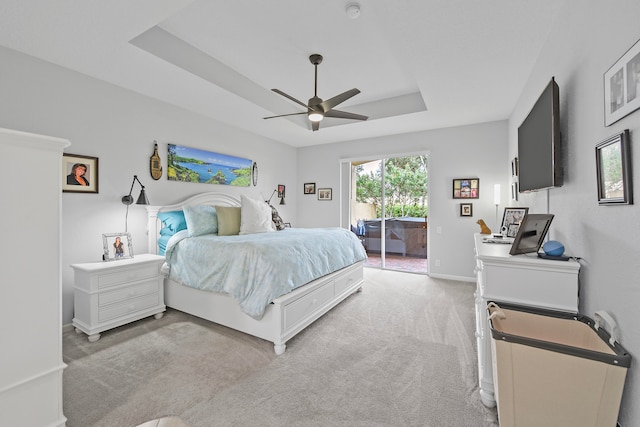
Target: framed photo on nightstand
<point>117,246</point>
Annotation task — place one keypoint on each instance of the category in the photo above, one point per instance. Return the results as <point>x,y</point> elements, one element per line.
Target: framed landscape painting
<point>194,165</point>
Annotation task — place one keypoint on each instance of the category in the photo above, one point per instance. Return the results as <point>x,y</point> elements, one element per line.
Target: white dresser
<point>31,293</point>
<point>519,279</point>
<point>111,294</point>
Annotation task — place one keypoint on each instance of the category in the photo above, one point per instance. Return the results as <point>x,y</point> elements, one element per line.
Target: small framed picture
<point>514,167</point>
<point>466,209</point>
<point>511,220</point>
<point>613,168</point>
<point>466,188</point>
<point>622,86</point>
<point>280,191</point>
<point>309,188</point>
<point>117,246</point>
<point>324,194</point>
<point>79,174</point>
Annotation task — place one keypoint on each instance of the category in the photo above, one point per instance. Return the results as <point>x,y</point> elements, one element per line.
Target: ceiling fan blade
<point>338,99</point>
<point>344,115</point>
<point>315,126</point>
<point>279,92</point>
<point>284,115</point>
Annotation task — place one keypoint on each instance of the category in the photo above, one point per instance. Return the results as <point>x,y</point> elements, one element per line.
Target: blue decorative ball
<point>553,248</point>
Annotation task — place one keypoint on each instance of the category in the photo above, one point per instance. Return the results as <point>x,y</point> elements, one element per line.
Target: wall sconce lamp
<point>128,200</point>
<point>142,198</point>
<point>280,195</point>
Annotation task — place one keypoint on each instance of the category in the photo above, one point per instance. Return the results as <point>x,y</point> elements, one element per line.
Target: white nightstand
<point>111,294</point>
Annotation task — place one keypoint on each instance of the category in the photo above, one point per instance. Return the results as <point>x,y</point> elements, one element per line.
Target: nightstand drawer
<point>130,292</point>
<point>127,307</point>
<point>127,276</point>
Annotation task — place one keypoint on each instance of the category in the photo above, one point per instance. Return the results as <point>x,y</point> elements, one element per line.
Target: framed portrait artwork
<point>466,209</point>
<point>309,188</point>
<point>117,246</point>
<point>613,169</point>
<point>622,86</point>
<point>79,173</point>
<point>324,194</point>
<point>466,188</point>
<point>511,220</point>
<point>281,189</point>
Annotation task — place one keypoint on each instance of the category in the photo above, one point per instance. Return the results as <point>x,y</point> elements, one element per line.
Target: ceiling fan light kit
<point>316,108</point>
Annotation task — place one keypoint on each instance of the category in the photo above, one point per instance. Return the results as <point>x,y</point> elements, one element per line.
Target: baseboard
<point>67,328</point>
<point>451,277</point>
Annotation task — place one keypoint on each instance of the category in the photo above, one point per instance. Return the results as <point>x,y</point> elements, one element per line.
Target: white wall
<point>475,151</point>
<point>587,40</point>
<point>119,128</point>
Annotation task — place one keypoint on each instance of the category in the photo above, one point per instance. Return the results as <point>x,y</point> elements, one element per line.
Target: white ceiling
<point>420,64</point>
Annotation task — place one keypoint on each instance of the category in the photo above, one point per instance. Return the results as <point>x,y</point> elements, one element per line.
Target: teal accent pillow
<point>162,244</point>
<point>173,222</point>
<point>201,220</point>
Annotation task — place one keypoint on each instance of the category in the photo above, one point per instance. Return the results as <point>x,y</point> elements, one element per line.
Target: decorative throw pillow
<point>201,220</point>
<point>255,216</point>
<point>172,221</point>
<point>278,223</point>
<point>228,220</point>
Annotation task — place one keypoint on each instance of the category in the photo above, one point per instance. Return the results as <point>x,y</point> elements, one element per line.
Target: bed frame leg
<point>279,348</point>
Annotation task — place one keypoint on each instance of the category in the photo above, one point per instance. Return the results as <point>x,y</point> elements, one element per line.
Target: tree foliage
<point>405,188</point>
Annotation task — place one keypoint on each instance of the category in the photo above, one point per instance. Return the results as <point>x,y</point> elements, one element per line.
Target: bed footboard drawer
<point>306,305</point>
<point>348,280</point>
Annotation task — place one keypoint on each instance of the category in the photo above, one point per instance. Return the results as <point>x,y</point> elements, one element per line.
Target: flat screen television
<point>539,144</point>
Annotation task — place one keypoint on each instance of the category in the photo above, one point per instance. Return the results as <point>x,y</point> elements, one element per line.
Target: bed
<point>291,306</point>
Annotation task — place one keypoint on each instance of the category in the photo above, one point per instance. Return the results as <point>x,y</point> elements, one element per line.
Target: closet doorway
<point>388,211</point>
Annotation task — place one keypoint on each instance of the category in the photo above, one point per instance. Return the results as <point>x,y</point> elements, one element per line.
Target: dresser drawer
<point>342,283</point>
<point>106,280</point>
<point>130,292</point>
<point>306,305</point>
<point>127,307</point>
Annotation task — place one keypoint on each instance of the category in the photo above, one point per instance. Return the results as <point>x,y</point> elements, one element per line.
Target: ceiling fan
<point>317,109</point>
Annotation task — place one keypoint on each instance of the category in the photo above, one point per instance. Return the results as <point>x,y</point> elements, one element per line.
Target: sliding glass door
<point>388,211</point>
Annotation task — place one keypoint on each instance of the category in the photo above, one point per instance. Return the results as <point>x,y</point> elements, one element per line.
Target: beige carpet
<point>401,352</point>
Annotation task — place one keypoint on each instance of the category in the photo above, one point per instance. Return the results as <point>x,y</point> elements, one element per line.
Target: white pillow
<point>255,216</point>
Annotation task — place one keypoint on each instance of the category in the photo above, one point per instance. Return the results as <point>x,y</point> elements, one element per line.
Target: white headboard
<point>211,199</point>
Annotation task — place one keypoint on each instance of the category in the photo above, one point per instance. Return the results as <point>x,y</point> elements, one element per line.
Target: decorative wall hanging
<point>154,163</point>
<point>195,165</point>
<point>466,209</point>
<point>613,168</point>
<point>324,194</point>
<point>79,174</point>
<point>309,188</point>
<point>466,188</point>
<point>622,86</point>
<point>254,174</point>
<point>117,246</point>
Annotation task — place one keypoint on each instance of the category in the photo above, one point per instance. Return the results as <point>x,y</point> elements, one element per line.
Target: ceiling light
<point>353,10</point>
<point>315,116</point>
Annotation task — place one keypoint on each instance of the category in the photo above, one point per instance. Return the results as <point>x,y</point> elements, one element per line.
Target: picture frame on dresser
<point>117,246</point>
<point>511,220</point>
<point>79,174</point>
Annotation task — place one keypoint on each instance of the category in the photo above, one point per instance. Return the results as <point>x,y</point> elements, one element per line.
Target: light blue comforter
<point>255,269</point>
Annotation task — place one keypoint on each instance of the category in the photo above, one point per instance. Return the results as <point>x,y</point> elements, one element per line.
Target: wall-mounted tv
<point>539,144</point>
